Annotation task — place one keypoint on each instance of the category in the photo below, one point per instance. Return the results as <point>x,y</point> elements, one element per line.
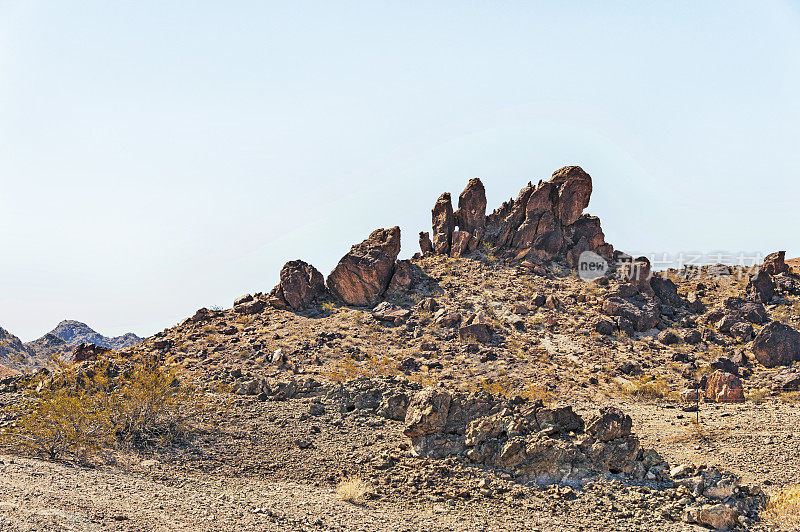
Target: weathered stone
<point>443,224</point>
<point>604,326</point>
<point>761,287</point>
<point>777,344</point>
<point>574,191</point>
<point>390,312</point>
<point>300,286</point>
<point>668,337</point>
<point>401,278</point>
<point>787,381</point>
<point>610,424</point>
<point>471,213</point>
<point>774,263</point>
<point>425,244</point>
<point>363,275</point>
<point>475,332</point>
<point>460,241</point>
<point>85,352</point>
<point>724,387</point>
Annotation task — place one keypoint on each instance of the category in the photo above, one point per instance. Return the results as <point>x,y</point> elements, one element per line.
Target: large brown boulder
<point>363,275</point>
<point>724,387</point>
<point>777,344</point>
<point>300,286</point>
<point>774,263</point>
<point>471,213</point>
<point>443,224</point>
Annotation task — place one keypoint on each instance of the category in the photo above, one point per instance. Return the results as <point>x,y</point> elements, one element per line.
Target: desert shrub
<point>353,490</point>
<point>783,507</point>
<point>83,409</point>
<point>646,387</point>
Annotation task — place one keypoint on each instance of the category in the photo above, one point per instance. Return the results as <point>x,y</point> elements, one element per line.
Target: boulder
<point>300,286</point>
<point>475,332</point>
<point>643,314</point>
<point>761,287</point>
<point>604,326</point>
<point>471,213</point>
<point>401,278</point>
<point>774,263</point>
<point>692,336</point>
<point>390,312</point>
<point>425,244</point>
<point>443,224</point>
<point>611,424</point>
<point>787,381</point>
<point>363,275</point>
<point>668,337</point>
<point>777,344</point>
<point>724,387</point>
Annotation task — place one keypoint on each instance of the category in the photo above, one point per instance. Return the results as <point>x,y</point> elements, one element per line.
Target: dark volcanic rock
<point>363,275</point>
<point>425,244</point>
<point>774,263</point>
<point>761,287</point>
<point>443,224</point>
<point>471,213</point>
<point>777,344</point>
<point>301,285</point>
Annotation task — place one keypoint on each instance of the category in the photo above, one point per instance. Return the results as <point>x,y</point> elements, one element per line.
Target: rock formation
<point>363,275</point>
<point>777,344</point>
<point>443,224</point>
<point>301,284</point>
<point>544,222</point>
<point>774,263</point>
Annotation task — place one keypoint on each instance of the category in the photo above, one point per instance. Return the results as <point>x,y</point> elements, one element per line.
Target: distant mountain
<point>58,343</point>
<point>16,356</point>
<point>74,332</point>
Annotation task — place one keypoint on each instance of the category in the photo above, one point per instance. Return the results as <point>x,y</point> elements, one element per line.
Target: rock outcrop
<point>363,275</point>
<point>777,344</point>
<point>528,440</point>
<point>544,222</point>
<point>88,352</point>
<point>443,224</point>
<point>775,263</point>
<point>300,286</point>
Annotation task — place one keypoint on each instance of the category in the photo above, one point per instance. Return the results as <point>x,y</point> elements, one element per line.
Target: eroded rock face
<point>526,439</point>
<point>363,275</point>
<point>300,286</point>
<point>761,287</point>
<point>425,244</point>
<point>471,213</point>
<point>774,263</point>
<point>443,224</point>
<point>777,344</point>
<point>724,387</point>
<point>543,222</point>
<point>85,352</point>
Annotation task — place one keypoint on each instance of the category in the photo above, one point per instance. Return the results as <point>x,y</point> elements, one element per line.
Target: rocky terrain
<point>482,384</point>
<point>58,343</point>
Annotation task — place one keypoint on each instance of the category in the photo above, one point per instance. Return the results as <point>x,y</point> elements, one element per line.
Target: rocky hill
<point>482,384</point>
<point>74,333</point>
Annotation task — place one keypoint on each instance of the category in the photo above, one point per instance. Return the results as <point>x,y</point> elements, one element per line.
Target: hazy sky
<point>157,157</point>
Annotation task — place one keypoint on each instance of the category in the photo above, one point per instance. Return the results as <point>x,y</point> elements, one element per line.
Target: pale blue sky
<point>156,157</point>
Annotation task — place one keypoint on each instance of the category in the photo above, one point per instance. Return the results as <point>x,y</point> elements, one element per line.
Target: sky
<point>158,157</point>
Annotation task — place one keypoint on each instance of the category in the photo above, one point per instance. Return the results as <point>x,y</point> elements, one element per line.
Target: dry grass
<point>353,490</point>
<point>783,507</point>
<point>647,387</point>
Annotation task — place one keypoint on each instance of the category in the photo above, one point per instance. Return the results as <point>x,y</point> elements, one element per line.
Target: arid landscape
<point>490,382</point>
